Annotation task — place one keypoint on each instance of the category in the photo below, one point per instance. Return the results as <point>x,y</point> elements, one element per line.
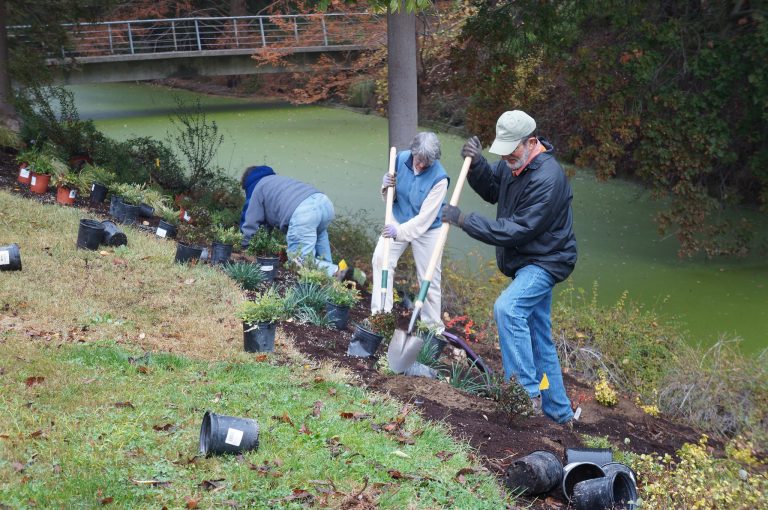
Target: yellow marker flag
<point>343,264</point>
<point>544,384</point>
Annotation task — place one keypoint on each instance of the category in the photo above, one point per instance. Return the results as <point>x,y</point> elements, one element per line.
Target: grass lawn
<point>98,412</point>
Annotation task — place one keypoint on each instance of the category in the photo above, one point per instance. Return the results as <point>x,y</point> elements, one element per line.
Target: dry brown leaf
<point>31,381</point>
<point>107,500</point>
<point>305,430</point>
<point>318,407</point>
<point>319,379</point>
<point>209,485</point>
<point>36,434</point>
<point>189,281</point>
<point>444,455</point>
<point>191,502</point>
<point>124,404</point>
<point>261,357</point>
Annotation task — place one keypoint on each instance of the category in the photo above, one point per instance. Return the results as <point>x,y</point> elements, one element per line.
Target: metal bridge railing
<point>172,35</point>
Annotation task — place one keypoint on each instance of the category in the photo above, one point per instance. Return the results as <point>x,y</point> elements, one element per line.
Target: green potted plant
<point>433,343</point>
<point>132,195</point>
<point>265,245</point>
<point>169,220</point>
<point>312,275</point>
<point>259,318</point>
<point>67,184</point>
<point>26,159</point>
<point>95,181</point>
<point>340,298</point>
<point>370,332</point>
<point>224,240</point>
<point>44,166</point>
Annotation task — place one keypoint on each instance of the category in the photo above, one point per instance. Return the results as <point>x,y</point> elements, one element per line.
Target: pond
<point>345,153</point>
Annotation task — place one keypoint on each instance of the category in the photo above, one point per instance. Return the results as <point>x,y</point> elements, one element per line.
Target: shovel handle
<point>388,216</point>
<point>446,226</point>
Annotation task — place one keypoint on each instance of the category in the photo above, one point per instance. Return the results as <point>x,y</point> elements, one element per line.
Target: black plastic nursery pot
<point>146,210</point>
<point>10,258</point>
<point>90,234</point>
<point>187,253</point>
<point>364,342</point>
<point>130,214</point>
<point>613,492</point>
<point>576,472</point>
<point>536,473</point>
<point>616,467</point>
<point>98,193</point>
<point>115,206</point>
<point>165,229</point>
<point>338,315</point>
<point>227,434</point>
<point>113,236</point>
<point>597,456</point>
<point>269,265</point>
<point>259,337</point>
<point>221,253</point>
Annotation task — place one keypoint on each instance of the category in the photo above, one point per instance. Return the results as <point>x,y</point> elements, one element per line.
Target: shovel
<point>404,347</point>
<point>387,219</point>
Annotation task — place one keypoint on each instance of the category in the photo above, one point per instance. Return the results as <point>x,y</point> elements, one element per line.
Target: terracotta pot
<point>39,183</point>
<point>25,174</point>
<point>65,195</point>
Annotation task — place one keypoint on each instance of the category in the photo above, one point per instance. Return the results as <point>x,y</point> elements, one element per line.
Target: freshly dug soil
<point>497,439</point>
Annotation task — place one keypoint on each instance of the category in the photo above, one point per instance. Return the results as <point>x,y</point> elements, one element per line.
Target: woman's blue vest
<point>412,189</point>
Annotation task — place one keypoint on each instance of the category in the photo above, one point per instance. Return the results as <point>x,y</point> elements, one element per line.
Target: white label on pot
<point>161,232</point>
<point>267,268</point>
<point>73,193</point>
<point>93,187</point>
<point>234,437</point>
<point>5,258</point>
<point>24,172</point>
<point>187,217</point>
<point>34,180</point>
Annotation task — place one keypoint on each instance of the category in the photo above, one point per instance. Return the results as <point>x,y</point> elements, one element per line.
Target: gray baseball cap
<point>511,127</point>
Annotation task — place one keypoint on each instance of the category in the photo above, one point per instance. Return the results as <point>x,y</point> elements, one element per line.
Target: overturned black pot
<point>146,210</point>
<point>220,253</point>
<point>364,342</point>
<point>166,230</point>
<point>187,252</point>
<point>259,337</point>
<point>536,473</point>
<point>89,234</point>
<point>10,258</point>
<point>98,193</point>
<point>113,236</point>
<point>130,214</point>
<point>227,434</point>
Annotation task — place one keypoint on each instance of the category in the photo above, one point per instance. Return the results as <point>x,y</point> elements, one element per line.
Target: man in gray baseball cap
<point>535,246</point>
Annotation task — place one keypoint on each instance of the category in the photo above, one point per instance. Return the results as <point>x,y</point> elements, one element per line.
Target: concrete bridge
<point>115,51</point>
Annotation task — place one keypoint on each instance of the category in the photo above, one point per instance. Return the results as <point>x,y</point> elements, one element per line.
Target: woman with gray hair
<point>420,184</point>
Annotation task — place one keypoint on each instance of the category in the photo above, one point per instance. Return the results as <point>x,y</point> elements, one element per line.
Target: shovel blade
<point>403,351</point>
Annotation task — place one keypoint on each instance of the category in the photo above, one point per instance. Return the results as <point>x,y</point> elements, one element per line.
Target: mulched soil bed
<point>497,439</point>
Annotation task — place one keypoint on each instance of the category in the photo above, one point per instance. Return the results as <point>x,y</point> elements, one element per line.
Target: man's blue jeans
<point>522,314</point>
<point>308,231</point>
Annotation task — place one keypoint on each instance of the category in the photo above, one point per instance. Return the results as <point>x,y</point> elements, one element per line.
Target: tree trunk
<point>8,115</point>
<point>401,69</point>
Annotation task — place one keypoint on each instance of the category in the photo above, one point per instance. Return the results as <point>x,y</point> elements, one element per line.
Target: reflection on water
<point>344,154</point>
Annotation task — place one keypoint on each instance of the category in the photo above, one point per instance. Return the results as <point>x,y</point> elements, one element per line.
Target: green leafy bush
<point>266,307</point>
<point>248,276</point>
<point>231,235</point>
<point>343,293</point>
<point>264,243</point>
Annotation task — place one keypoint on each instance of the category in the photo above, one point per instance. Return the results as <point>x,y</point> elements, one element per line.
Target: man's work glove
<point>389,230</point>
<point>472,149</point>
<point>388,180</point>
<point>453,215</point>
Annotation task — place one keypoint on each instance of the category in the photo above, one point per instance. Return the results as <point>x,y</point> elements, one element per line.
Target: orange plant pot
<point>65,195</point>
<point>39,183</point>
<point>25,174</point>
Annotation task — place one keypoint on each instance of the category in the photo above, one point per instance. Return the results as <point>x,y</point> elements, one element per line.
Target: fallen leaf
<point>89,381</point>
<point>119,262</point>
<point>142,336</point>
<point>394,473</point>
<point>103,253</point>
<point>189,281</point>
<point>124,404</point>
<point>354,416</point>
<point>332,391</point>
<point>36,434</point>
<point>31,381</point>
<point>153,483</point>
<point>142,370</point>
<point>305,430</point>
<point>191,502</point>
<point>443,455</point>
<point>284,418</point>
<point>460,475</point>
<point>318,407</point>
<point>168,427</point>
<point>319,379</point>
<point>401,454</point>
<point>261,357</point>
<point>107,500</point>
<point>18,467</point>
<point>209,485</point>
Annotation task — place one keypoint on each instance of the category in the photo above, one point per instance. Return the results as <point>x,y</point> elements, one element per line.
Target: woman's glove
<point>388,180</point>
<point>389,230</point>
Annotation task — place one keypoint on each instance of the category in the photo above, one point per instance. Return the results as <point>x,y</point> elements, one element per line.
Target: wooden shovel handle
<point>445,226</point>
<point>388,210</point>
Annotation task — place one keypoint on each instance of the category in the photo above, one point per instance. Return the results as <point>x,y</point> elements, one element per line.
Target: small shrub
<point>231,235</point>
<point>382,323</point>
<point>604,394</point>
<point>248,276</point>
<point>463,378</point>
<point>513,400</point>
<point>264,243</point>
<point>343,293</point>
<point>308,273</point>
<point>308,296</point>
<point>266,307</point>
